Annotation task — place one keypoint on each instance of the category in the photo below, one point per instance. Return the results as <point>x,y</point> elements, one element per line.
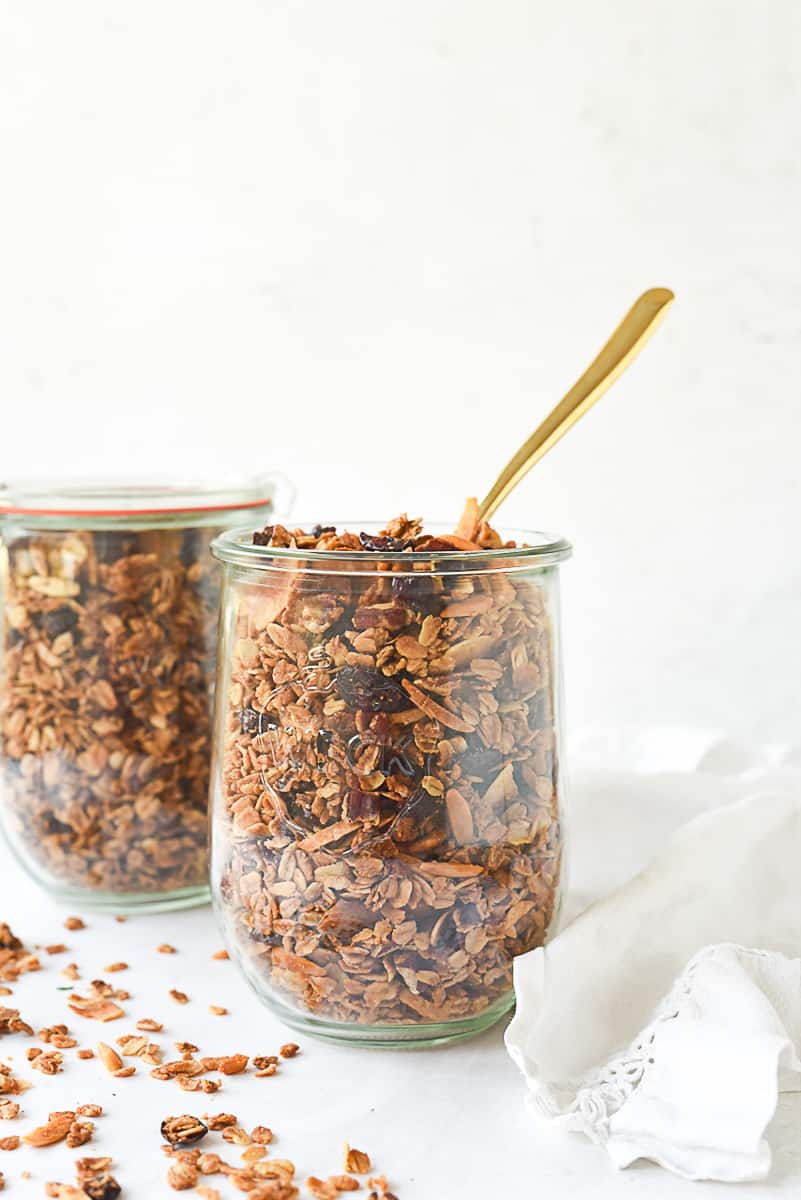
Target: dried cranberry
<point>366,688</point>
<point>362,806</point>
<point>371,541</point>
<point>61,620</point>
<point>264,537</point>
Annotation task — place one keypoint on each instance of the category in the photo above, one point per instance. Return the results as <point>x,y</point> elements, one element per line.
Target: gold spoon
<point>623,346</point>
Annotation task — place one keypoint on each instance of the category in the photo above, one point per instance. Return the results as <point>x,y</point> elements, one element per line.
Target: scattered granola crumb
<point>166,948</point>
<point>74,923</point>
<point>356,1161</point>
<point>207,1193</point>
<point>221,955</point>
<point>236,1135</point>
<point>220,1120</point>
<point>183,1131</point>
<point>179,997</point>
<point>9,1109</point>
<point>289,1050</point>
<point>86,1053</point>
<point>253,1154</point>
<point>95,1009</point>
<point>11,1022</point>
<point>261,1135</point>
<point>48,1062</point>
<point>124,1072</point>
<point>79,1133</point>
<point>116,966</point>
<point>9,1143</point>
<point>148,1025</point>
<point>217,1010</point>
<point>122,919</point>
<point>56,948</point>
<point>266,1072</point>
<point>181,1176</point>
<point>89,1110</point>
<point>71,971</point>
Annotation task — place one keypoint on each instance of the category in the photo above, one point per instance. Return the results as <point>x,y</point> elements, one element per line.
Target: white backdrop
<point>370,242</point>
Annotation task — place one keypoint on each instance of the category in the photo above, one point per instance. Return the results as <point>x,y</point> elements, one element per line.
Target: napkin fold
<point>664,1020</point>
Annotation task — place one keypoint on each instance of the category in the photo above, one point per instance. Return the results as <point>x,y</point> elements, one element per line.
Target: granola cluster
<point>109,642</point>
<point>388,836</point>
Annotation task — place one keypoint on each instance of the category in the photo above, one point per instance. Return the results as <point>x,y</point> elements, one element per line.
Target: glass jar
<point>108,623</point>
<point>387,794</point>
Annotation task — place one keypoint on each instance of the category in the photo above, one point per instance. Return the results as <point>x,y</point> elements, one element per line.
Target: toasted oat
<point>344,1183</point>
<point>207,1086</point>
<point>9,1143</point>
<point>207,1193</point>
<point>217,1010</point>
<point>109,1057</point>
<point>124,1072</point>
<point>266,1072</point>
<point>181,1176</point>
<point>220,1120</point>
<point>236,1135</point>
<point>253,1154</point>
<point>89,1110</point>
<point>166,948</point>
<point>356,1161</point>
<point>179,997</point>
<point>222,955</point>
<point>148,1025</point>
<point>74,923</point>
<point>228,1064</point>
<point>9,1109</point>
<point>116,966</point>
<point>56,948</point>
<point>261,1135</point>
<point>85,1053</point>
<point>289,1050</point>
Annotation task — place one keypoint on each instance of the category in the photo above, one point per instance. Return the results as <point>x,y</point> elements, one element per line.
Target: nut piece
<point>109,1057</point>
<point>56,1129</point>
<point>183,1131</point>
<point>356,1161</point>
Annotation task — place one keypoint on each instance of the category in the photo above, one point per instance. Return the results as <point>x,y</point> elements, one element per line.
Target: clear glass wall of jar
<point>387,782</point>
<point>108,623</point>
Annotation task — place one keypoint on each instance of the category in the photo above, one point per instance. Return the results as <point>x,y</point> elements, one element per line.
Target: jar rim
<point>235,546</point>
<point>109,499</point>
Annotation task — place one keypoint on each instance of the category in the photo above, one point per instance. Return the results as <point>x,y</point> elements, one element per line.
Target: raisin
<point>386,543</point>
<point>479,761</point>
<point>323,741</point>
<point>101,1187</point>
<point>264,537</point>
<point>250,720</point>
<point>184,1130</point>
<point>417,591</point>
<point>366,688</point>
<point>61,620</point>
<point>319,530</point>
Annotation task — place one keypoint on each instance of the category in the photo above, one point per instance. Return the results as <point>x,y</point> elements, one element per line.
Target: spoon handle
<point>623,346</point>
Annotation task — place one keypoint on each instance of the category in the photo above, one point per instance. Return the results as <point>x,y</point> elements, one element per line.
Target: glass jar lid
<point>107,504</point>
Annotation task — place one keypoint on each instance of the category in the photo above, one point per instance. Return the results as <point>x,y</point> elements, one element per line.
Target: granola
<point>108,640</point>
<point>388,837</point>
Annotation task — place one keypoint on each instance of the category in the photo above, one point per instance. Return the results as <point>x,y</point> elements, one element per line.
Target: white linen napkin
<point>663,1021</point>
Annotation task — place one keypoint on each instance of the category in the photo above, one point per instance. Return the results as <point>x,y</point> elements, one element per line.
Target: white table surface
<point>444,1124</point>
